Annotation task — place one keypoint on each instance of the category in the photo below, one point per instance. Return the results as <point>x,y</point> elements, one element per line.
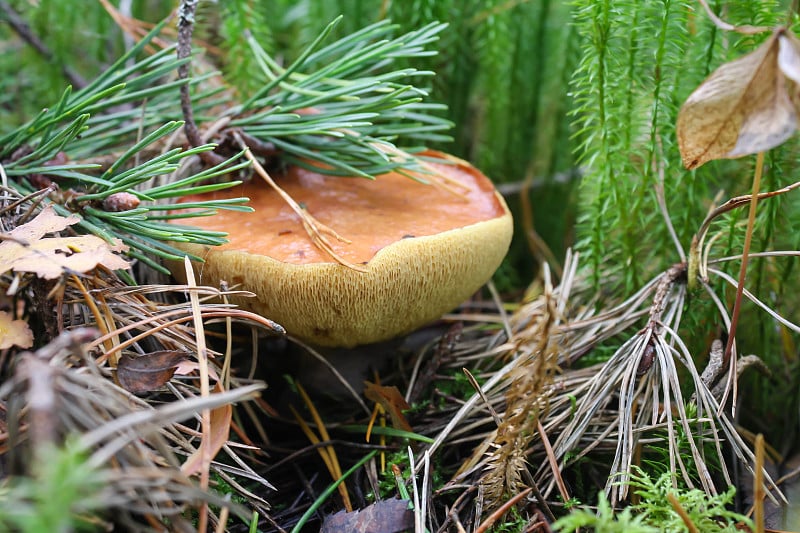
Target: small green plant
<point>655,456</point>
<point>604,521</point>
<point>708,513</point>
<point>655,512</point>
<point>60,495</point>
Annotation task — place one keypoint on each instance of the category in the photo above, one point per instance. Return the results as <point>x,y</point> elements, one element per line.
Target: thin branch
<point>24,31</point>
<point>739,201</point>
<point>184,50</point>
<point>745,29</point>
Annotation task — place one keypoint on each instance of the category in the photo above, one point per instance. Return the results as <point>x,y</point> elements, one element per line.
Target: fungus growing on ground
<point>423,249</point>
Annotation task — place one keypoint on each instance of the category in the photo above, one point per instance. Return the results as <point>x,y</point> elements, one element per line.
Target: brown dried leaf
<point>220,429</point>
<point>742,108</point>
<point>392,402</point>
<point>25,249</point>
<point>14,332</point>
<point>148,372</point>
<point>385,516</point>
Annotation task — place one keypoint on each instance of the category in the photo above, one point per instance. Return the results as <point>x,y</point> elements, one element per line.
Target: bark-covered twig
<point>185,30</point>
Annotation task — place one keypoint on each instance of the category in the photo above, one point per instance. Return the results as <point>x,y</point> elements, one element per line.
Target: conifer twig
<point>184,50</point>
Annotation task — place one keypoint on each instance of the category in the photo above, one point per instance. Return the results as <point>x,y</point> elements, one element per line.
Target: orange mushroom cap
<point>424,250</point>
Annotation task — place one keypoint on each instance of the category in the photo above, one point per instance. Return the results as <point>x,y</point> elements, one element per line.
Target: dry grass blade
<point>206,452</point>
<point>752,297</point>
<point>726,26</point>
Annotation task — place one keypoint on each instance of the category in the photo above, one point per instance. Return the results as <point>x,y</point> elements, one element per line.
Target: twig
<point>24,31</point>
<point>721,24</point>
<point>687,521</point>
<point>727,357</point>
<point>758,485</point>
<point>739,201</point>
<point>184,49</point>
<point>489,522</point>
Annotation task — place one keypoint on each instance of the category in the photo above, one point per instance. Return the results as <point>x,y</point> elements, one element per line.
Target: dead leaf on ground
<point>25,248</point>
<point>392,402</point>
<point>744,107</point>
<point>148,372</point>
<point>14,332</point>
<point>385,516</point>
<point>220,429</point>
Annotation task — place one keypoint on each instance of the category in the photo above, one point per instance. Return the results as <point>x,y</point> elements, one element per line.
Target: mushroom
<point>424,250</point>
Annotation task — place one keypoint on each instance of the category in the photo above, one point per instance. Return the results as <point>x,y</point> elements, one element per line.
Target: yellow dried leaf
<point>742,108</point>
<point>14,332</point>
<point>26,249</point>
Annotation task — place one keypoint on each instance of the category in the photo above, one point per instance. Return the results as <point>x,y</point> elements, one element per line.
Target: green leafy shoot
<point>60,495</point>
<point>655,513</point>
<point>604,521</point>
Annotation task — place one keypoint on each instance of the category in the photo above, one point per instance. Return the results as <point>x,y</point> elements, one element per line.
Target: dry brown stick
<point>503,509</point>
<point>184,50</point>
<point>687,521</point>
<point>758,486</point>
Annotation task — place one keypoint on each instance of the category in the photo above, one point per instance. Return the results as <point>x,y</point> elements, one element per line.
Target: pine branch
<point>341,105</point>
<point>119,199</point>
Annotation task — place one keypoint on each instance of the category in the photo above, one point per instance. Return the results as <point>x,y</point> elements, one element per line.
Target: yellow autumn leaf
<point>743,107</point>
<point>26,249</point>
<point>14,332</point>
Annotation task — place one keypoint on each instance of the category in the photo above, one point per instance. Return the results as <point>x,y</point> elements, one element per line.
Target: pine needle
<point>317,231</point>
<point>328,453</point>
